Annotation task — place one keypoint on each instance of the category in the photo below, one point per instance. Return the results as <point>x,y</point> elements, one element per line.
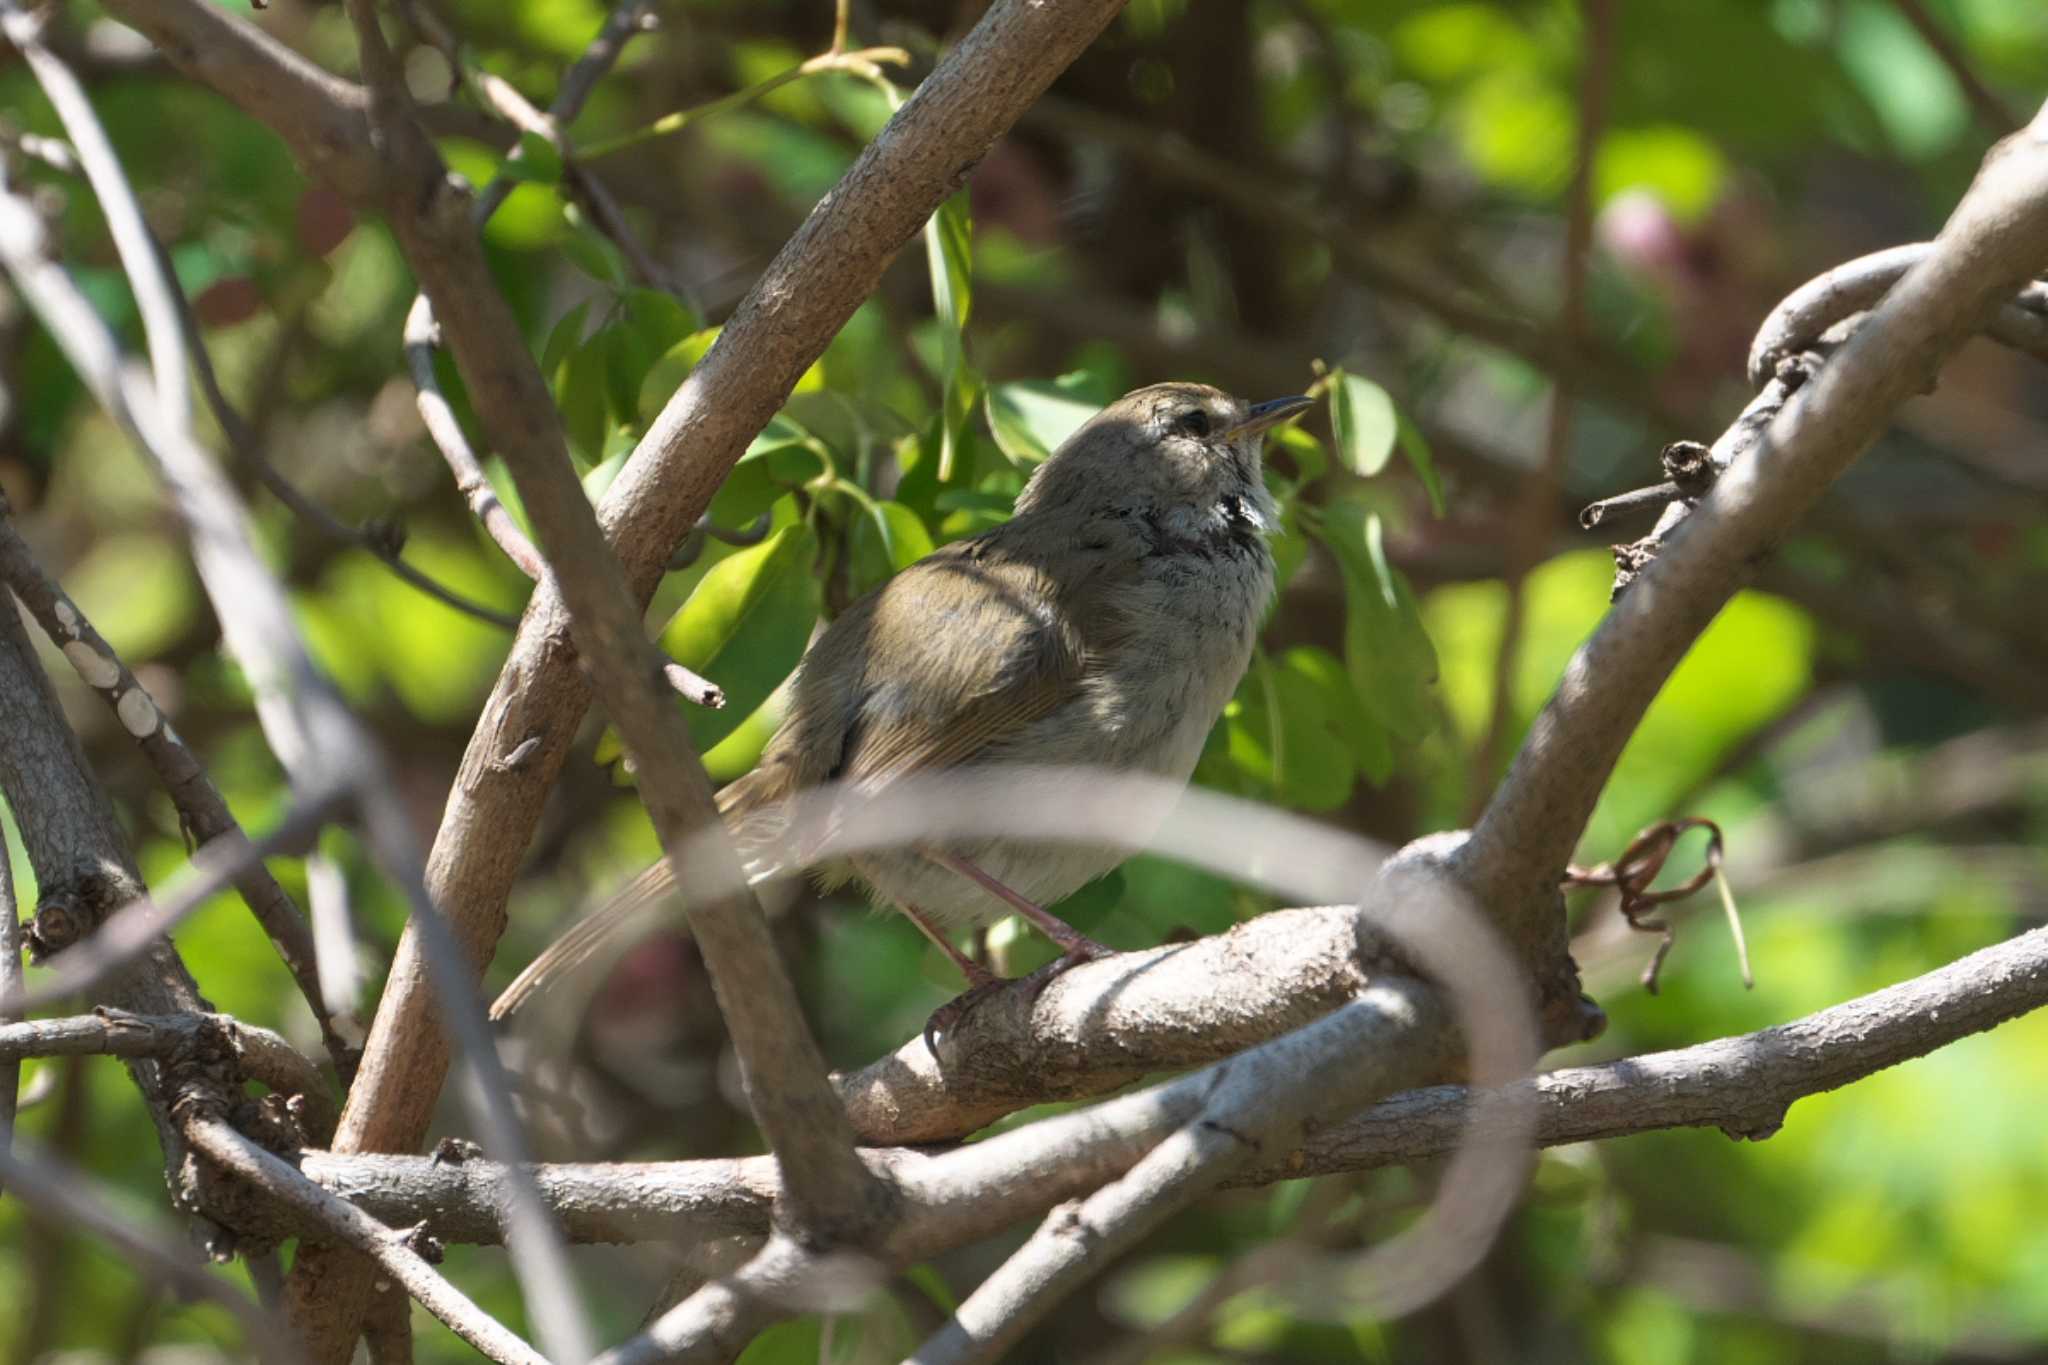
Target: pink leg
<point>1075,944</point>
<point>976,974</point>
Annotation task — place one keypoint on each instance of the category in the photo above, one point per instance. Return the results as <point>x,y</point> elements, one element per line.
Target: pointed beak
<point>1269,414</point>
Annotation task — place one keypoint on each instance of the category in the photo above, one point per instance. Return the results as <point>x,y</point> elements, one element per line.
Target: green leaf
<point>667,373</point>
<point>1311,459</point>
<point>538,161</point>
<point>649,325</point>
<point>580,394</point>
<point>591,251</point>
<point>1031,418</point>
<point>949,251</point>
<point>1352,724</point>
<point>1362,419</point>
<point>1415,448</point>
<point>887,540</point>
<point>747,492</point>
<point>566,333</point>
<point>948,237</point>
<point>745,627</point>
<point>1387,651</point>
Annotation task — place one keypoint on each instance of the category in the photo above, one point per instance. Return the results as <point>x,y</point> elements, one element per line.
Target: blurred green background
<point>1362,196</point>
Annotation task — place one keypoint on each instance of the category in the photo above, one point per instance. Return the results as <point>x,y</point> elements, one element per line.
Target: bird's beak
<point>1266,415</point>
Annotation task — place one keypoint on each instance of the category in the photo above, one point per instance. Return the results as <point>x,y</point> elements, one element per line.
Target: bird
<point>1105,624</point>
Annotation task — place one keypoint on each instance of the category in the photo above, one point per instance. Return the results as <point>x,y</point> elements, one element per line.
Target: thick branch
<point>1103,1024</point>
<point>1743,1085</point>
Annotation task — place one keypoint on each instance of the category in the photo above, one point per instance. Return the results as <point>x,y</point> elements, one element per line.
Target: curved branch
<point>1994,243</point>
<point>1836,295</point>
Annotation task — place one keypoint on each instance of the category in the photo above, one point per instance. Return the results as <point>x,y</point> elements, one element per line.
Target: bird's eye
<point>1193,422</point>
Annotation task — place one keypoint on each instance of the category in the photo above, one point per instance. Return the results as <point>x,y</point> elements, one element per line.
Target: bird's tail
<point>753,810</point>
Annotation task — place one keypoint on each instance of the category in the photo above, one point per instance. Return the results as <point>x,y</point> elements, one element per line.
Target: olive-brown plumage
<point>1105,624</point>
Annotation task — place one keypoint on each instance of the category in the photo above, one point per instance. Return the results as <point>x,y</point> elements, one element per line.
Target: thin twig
<point>421,337</point>
<point>129,933</point>
<point>391,1249</point>
<point>155,300</point>
<point>866,63</point>
<point>202,810</point>
<point>1833,297</point>
<point>69,1197</point>
<point>263,1055</point>
<point>377,538</point>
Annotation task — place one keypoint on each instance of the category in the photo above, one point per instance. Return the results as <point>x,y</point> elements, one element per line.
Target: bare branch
<point>1103,1024</point>
<point>312,732</point>
<point>263,1055</point>
<point>1403,1035</point>
<point>1996,241</point>
<point>324,119</point>
<point>832,1194</point>
<point>10,989</point>
<point>529,720</point>
<point>201,808</point>
<point>391,1249</point>
<point>1743,1085</point>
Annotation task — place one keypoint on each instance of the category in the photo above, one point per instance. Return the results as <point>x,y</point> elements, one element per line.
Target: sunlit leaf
<point>580,393</point>
<point>1415,447</point>
<point>1386,649</point>
<point>668,372</point>
<point>538,161</point>
<point>1363,421</point>
<point>1030,419</point>
<point>565,334</point>
<point>887,539</point>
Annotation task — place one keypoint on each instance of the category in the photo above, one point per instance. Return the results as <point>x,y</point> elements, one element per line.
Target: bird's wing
<point>978,647</point>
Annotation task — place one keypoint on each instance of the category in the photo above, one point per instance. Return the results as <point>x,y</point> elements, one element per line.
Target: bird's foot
<point>983,983</point>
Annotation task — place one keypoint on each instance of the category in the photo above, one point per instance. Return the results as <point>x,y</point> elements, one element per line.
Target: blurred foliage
<point>1746,145</point>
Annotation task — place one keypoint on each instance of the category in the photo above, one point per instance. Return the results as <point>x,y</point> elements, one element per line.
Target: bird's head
<point>1187,453</point>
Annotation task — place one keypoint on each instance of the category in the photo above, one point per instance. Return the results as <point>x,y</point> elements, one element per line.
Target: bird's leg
<point>1075,948</point>
<point>980,983</point>
<point>977,975</point>
<point>1075,945</point>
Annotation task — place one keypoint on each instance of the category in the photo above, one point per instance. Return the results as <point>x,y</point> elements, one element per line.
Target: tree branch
<point>263,1055</point>
<point>1996,240</point>
<point>201,808</point>
<point>392,1250</point>
<point>1404,1034</point>
<point>1743,1085</point>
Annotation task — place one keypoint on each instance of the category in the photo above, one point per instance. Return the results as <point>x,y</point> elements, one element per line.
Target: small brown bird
<point>1104,625</point>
